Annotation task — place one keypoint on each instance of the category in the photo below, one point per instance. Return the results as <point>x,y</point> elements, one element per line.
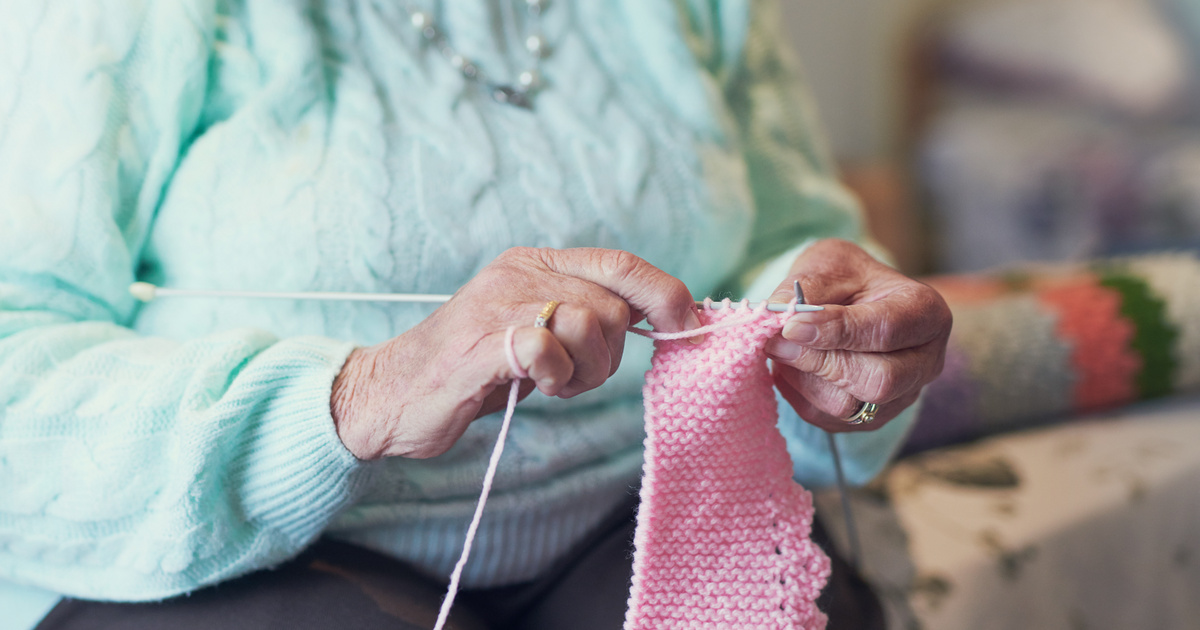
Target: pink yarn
<point>513,393</point>
<point>722,535</point>
<point>723,531</point>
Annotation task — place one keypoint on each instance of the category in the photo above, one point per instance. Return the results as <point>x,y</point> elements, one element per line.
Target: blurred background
<point>1038,162</point>
<point>981,132</point>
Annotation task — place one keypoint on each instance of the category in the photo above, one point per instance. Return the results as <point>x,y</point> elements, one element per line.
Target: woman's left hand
<point>880,339</point>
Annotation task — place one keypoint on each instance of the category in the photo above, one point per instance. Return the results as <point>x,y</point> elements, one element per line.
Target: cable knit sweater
<point>146,451</point>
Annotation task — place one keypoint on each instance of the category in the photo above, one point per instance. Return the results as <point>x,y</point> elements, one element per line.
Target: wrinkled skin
<point>414,395</point>
<point>881,338</point>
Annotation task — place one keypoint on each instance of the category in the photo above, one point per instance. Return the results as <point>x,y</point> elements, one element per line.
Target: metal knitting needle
<point>773,307</point>
<point>147,292</point>
<point>851,530</point>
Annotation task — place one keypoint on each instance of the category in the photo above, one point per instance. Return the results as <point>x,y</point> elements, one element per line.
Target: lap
<point>338,585</point>
<point>330,585</point>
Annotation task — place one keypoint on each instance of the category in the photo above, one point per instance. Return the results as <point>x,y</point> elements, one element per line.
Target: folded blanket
<point>1037,345</point>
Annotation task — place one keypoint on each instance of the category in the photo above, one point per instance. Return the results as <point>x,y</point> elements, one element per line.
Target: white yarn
<point>493,463</point>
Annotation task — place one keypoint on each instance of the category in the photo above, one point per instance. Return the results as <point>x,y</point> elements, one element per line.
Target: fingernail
<point>783,349</point>
<point>691,322</point>
<point>800,332</point>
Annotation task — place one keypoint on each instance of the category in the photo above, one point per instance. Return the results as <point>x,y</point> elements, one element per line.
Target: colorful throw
<point>1040,345</point>
<point>723,531</point>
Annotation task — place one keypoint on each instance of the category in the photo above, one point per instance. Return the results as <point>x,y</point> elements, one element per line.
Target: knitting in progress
<point>722,535</point>
<point>723,531</point>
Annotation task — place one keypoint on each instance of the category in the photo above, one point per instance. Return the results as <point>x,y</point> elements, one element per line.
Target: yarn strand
<point>513,394</point>
<point>493,464</point>
<point>731,322</point>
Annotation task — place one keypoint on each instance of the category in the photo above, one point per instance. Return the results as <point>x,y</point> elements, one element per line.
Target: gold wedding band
<point>865,414</point>
<point>543,318</point>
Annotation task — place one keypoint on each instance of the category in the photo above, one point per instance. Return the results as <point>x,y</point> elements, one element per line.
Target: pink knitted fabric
<point>723,531</point>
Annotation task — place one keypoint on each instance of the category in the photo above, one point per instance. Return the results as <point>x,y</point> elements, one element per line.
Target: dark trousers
<point>335,585</point>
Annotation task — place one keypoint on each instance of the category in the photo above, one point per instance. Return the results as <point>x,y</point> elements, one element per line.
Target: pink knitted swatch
<point>723,531</point>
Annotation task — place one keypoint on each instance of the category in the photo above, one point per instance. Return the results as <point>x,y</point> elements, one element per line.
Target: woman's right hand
<point>415,395</point>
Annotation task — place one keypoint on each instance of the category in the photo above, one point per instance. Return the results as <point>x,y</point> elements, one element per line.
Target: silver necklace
<point>519,92</point>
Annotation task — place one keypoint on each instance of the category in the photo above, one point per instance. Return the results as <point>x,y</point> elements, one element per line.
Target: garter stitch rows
<point>723,531</point>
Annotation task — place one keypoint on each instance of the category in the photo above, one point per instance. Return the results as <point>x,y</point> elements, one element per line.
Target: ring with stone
<point>543,318</point>
<point>865,413</point>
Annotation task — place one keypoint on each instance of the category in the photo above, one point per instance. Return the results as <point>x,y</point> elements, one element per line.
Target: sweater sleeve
<point>798,199</point>
<point>133,468</point>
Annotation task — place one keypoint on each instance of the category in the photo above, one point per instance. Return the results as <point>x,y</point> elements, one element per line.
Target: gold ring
<point>543,318</point>
<point>865,414</point>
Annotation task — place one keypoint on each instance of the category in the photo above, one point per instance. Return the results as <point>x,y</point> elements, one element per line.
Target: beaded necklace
<point>519,92</point>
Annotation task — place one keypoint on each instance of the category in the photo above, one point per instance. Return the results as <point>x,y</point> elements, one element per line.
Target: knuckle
<point>844,407</point>
<point>934,367</point>
<point>622,313</point>
<point>945,317</point>
<point>507,266</point>
<point>841,245</point>
<point>614,362</point>
<point>585,378</point>
<point>829,366</point>
<point>516,253</point>
<point>809,362</point>
<point>588,326</point>
<point>569,317</point>
<point>611,310</point>
<point>616,263</point>
<point>881,384</point>
<point>934,306</point>
<point>833,333</point>
<point>675,292</point>
<point>542,344</point>
<point>589,379</point>
<point>832,245</point>
<point>939,364</point>
<point>834,401</point>
<point>882,332</point>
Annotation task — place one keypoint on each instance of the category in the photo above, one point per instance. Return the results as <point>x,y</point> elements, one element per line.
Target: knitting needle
<point>773,307</point>
<point>851,530</point>
<point>147,292</point>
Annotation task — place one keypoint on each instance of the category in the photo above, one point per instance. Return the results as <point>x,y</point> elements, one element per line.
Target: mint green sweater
<point>148,450</point>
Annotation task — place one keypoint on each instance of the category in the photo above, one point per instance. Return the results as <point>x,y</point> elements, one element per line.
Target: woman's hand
<point>880,339</point>
<point>415,395</point>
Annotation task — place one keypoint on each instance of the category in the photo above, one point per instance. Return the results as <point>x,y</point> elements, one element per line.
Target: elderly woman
<point>620,158</point>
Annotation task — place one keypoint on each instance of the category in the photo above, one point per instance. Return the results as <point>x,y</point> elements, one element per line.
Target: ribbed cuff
<point>296,472</point>
<point>274,474</point>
